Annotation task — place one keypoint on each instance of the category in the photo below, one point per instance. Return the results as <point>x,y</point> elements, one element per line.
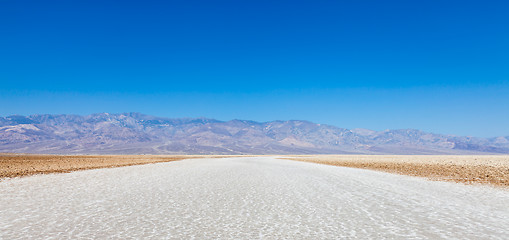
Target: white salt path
<point>247,198</point>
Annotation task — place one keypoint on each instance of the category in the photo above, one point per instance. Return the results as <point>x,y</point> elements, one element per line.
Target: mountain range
<point>135,133</point>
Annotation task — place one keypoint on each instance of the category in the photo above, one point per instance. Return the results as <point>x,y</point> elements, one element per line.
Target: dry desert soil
<point>18,165</point>
<point>485,169</point>
<point>469,169</point>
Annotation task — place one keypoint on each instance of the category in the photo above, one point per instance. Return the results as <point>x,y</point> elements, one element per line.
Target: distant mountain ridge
<point>135,133</point>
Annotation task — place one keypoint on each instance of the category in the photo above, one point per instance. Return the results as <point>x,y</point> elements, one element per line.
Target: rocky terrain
<point>19,165</point>
<point>468,169</point>
<point>135,133</point>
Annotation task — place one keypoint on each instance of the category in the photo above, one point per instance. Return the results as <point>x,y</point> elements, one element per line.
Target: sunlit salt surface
<point>247,198</point>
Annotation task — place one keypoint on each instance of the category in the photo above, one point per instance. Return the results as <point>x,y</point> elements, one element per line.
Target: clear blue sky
<point>440,66</point>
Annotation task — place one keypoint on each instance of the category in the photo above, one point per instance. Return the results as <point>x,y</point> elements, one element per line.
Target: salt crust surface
<point>247,198</point>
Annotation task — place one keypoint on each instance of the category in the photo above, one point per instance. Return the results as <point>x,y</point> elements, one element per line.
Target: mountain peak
<point>137,133</point>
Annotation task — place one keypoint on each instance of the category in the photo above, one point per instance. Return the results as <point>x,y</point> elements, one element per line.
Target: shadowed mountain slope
<point>135,133</point>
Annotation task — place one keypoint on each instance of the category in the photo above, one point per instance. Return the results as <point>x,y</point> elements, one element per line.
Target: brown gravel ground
<point>486,169</point>
<point>17,165</point>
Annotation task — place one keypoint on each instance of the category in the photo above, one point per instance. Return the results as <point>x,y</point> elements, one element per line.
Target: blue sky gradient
<point>440,66</point>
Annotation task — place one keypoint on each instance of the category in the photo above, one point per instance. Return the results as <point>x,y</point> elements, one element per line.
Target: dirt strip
<point>17,165</point>
<point>485,169</point>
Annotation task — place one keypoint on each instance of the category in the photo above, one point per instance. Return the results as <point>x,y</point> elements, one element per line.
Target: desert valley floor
<point>246,198</point>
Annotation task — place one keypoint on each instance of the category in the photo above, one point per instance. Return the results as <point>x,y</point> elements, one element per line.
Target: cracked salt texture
<point>247,198</point>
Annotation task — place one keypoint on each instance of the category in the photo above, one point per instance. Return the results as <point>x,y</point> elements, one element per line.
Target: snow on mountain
<point>135,133</point>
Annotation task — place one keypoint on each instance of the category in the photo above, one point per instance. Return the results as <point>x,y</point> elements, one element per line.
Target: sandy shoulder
<point>18,165</point>
<point>482,169</point>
